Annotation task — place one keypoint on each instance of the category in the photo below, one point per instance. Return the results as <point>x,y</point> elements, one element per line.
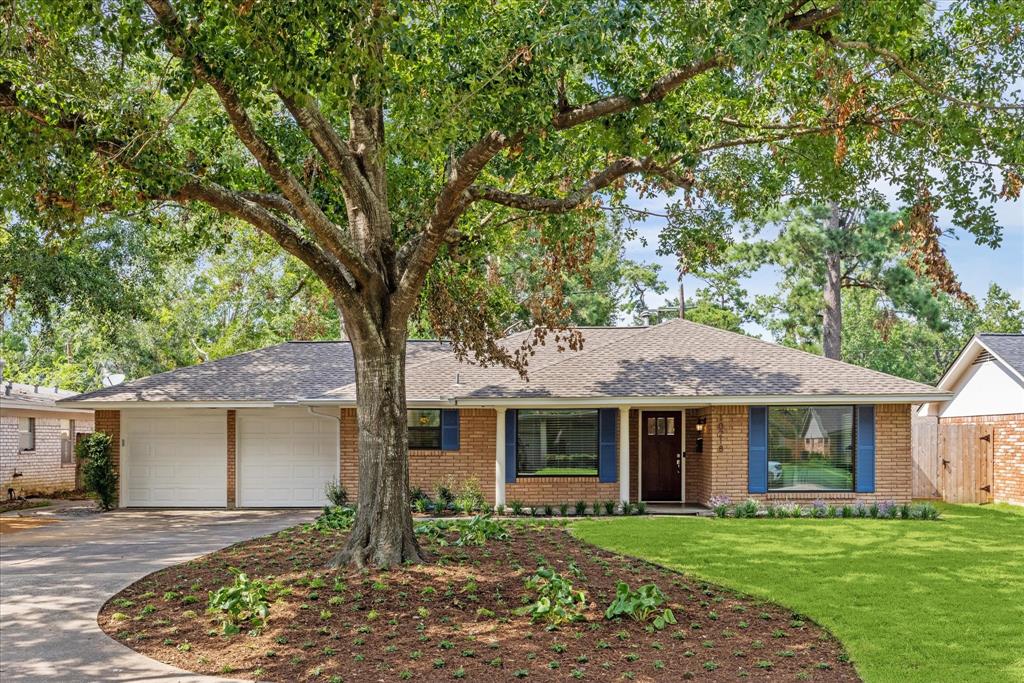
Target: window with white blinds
<point>811,448</point>
<point>424,429</point>
<point>557,443</point>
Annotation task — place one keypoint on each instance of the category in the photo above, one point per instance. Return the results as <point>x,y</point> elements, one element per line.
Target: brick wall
<point>232,453</point>
<point>475,457</point>
<point>1007,453</point>
<point>728,427</point>
<point>698,465</point>
<point>109,422</point>
<point>40,469</point>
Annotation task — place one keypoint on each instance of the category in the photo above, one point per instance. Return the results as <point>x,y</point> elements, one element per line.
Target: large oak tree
<point>391,145</point>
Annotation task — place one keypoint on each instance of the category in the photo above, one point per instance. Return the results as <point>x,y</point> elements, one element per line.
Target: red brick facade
<point>1007,453</point>
<point>721,469</point>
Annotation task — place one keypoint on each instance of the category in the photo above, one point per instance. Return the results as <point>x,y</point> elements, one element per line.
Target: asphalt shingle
<point>677,358</point>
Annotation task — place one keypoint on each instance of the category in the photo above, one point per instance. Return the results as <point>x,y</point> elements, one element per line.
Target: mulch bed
<point>434,621</point>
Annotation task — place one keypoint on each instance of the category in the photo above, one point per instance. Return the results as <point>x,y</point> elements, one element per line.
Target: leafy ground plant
<point>244,600</point>
<point>335,518</point>
<point>644,604</point>
<point>557,601</point>
<point>473,532</point>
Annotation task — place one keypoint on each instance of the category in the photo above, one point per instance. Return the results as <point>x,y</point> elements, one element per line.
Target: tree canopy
<point>392,147</point>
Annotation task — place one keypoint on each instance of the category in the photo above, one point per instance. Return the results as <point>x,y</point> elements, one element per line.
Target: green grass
<point>911,600</point>
<point>564,471</point>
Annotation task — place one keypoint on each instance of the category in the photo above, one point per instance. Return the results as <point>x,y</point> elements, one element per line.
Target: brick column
<point>231,459</point>
<point>109,422</point>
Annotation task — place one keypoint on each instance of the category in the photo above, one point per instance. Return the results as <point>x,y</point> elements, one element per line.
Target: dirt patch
<point>12,525</point>
<point>455,618</point>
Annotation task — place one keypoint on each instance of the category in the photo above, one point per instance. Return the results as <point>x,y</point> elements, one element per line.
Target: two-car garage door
<point>178,458</point>
<point>285,457</point>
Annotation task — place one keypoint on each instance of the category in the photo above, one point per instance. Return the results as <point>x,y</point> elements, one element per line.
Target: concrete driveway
<point>55,578</point>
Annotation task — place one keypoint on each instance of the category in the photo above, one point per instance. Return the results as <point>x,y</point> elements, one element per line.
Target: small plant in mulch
<point>243,601</point>
<point>557,602</point>
<point>476,531</point>
<point>336,494</point>
<point>644,605</point>
<point>581,508</point>
<point>335,518</point>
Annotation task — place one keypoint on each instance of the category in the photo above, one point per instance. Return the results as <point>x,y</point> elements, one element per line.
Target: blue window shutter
<point>757,451</point>
<point>865,465</point>
<point>449,430</point>
<point>607,468</point>
<point>510,446</point>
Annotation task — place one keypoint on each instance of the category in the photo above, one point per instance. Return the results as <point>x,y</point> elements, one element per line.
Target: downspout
<point>337,418</point>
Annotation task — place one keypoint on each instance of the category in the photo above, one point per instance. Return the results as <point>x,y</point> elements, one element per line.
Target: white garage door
<point>285,457</point>
<point>175,458</point>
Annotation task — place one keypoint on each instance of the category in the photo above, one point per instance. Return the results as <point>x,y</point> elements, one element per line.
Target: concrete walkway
<point>55,578</point>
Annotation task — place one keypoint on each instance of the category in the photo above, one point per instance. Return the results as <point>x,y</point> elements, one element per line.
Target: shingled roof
<point>1008,347</point>
<point>676,359</point>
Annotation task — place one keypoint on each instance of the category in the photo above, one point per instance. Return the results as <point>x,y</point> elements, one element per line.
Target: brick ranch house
<point>987,383</point>
<point>37,439</point>
<point>677,412</point>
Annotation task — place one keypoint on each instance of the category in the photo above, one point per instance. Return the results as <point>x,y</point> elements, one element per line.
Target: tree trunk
<point>682,300</point>
<point>382,534</point>
<point>832,316</point>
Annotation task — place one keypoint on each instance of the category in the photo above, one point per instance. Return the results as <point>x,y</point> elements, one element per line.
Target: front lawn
<point>911,601</point>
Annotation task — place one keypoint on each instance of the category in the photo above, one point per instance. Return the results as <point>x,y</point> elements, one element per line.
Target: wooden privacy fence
<point>952,461</point>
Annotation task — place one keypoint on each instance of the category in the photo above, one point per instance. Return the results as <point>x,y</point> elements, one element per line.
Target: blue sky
<point>976,265</point>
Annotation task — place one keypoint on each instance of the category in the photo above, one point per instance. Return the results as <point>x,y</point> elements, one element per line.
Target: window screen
<point>810,448</point>
<point>27,433</point>
<point>425,429</point>
<point>557,442</point>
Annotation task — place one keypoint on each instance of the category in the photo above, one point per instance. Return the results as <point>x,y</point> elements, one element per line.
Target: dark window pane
<point>557,442</point>
<point>424,429</point>
<point>810,448</point>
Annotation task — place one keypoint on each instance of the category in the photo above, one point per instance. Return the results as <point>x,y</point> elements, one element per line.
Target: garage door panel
<point>286,460</point>
<point>176,459</point>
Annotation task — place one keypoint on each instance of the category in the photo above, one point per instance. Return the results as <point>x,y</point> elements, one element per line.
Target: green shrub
<point>563,509</point>
<point>499,509</point>
<point>557,601</point>
<point>444,495</point>
<point>609,507</point>
<point>421,505</point>
<point>517,507</point>
<point>747,508</point>
<point>244,600</point>
<point>581,508</point>
<point>595,507</point>
<point>336,493</point>
<point>905,511</point>
<point>98,468</point>
<point>470,497</point>
<point>644,604</point>
<point>848,511</point>
<point>549,510</point>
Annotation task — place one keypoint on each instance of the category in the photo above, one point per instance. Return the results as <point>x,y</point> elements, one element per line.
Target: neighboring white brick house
<point>37,439</point>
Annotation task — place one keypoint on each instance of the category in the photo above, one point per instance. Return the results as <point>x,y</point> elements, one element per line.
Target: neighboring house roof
<point>1009,348</point>
<point>1006,347</point>
<point>14,395</point>
<point>677,359</point>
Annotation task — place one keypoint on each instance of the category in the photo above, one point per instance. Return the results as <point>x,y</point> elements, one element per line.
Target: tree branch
<point>327,233</point>
<point>450,204</point>
<point>901,64</point>
<point>618,169</point>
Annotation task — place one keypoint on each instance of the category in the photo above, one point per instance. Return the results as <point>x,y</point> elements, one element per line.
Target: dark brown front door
<point>662,455</point>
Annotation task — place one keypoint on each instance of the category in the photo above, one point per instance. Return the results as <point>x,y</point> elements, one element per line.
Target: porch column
<point>623,452</point>
<point>499,457</point>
